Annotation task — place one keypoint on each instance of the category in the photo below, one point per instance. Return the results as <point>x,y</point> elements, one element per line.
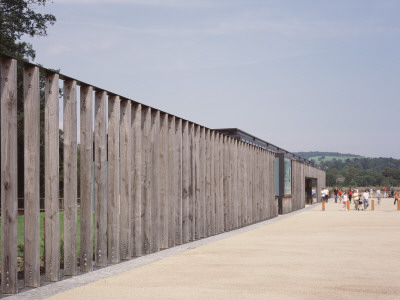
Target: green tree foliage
<point>18,18</point>
<point>363,172</point>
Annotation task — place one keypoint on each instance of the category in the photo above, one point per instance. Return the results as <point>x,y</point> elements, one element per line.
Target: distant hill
<point>319,156</point>
<point>355,169</point>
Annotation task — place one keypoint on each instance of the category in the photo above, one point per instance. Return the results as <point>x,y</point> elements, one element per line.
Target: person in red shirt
<point>396,197</point>
<point>340,195</point>
<point>350,193</point>
<point>384,190</point>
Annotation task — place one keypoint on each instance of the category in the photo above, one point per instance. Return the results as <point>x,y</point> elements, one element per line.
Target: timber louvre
<point>152,180</point>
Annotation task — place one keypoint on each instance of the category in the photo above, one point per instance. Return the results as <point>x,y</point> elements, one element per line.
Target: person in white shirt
<point>366,196</point>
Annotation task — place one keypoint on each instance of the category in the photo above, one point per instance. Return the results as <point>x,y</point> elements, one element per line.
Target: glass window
<point>276,175</point>
<point>288,177</point>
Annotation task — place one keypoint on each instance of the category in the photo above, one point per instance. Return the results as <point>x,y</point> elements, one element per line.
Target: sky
<point>305,75</point>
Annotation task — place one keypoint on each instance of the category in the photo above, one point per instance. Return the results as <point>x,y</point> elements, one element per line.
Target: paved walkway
<point>334,254</point>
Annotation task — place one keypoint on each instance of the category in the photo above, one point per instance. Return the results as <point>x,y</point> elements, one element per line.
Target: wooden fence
<point>159,180</point>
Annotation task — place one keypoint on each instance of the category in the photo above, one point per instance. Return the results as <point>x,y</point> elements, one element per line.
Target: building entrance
<point>311,190</point>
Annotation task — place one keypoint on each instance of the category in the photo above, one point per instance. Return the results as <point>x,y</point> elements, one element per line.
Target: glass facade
<point>287,180</point>
<point>276,176</point>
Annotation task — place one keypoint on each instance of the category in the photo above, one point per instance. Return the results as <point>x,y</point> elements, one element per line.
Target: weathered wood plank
<point>197,183</point>
<point>86,166</point>
<point>221,182</point>
<point>185,182</point>
<point>211,203</point>
<point>113,179</point>
<point>226,183</point>
<point>216,184</point>
<point>125,244</point>
<point>137,180</point>
<point>202,167</point>
<point>164,181</point>
<point>172,183</point>
<point>70,178</point>
<point>146,175</point>
<point>51,157</point>
<point>192,183</point>
<point>178,141</point>
<point>208,183</point>
<point>9,177</point>
<point>155,180</point>
<point>31,176</point>
<point>100,175</point>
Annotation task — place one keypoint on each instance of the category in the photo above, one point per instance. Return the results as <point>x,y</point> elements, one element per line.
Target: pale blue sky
<point>304,75</point>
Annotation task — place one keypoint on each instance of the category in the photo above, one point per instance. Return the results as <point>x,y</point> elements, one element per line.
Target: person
<point>345,199</point>
<point>371,191</point>
<point>356,198</point>
<point>350,193</point>
<point>396,197</point>
<point>366,197</point>
<point>326,191</point>
<point>378,195</point>
<point>340,193</point>
<point>335,192</point>
<point>384,190</point>
<point>322,194</point>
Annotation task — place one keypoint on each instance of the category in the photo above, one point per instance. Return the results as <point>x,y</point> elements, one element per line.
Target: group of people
<point>360,199</point>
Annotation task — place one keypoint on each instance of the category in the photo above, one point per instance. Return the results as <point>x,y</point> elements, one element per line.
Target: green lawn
<point>21,231</point>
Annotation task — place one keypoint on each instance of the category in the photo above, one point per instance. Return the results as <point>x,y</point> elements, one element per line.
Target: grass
<point>21,231</point>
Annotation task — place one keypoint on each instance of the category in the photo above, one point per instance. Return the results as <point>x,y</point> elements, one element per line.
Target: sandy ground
<point>335,254</point>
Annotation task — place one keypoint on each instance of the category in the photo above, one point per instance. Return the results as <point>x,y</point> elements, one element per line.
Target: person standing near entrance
<point>384,192</point>
<point>336,191</point>
<point>396,197</point>
<point>340,193</point>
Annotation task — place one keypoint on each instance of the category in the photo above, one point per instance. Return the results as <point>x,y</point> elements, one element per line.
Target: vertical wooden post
<point>372,204</point>
<point>202,167</point>
<point>31,176</point>
<point>244,184</point>
<point>86,165</point>
<point>137,180</point>
<point>155,180</point>
<point>216,184</point>
<point>208,183</point>
<point>51,157</point>
<point>192,183</point>
<point>185,182</point>
<point>197,183</point>
<point>172,182</point>
<point>235,199</point>
<point>323,205</point>
<point>221,183</point>
<point>9,177</point>
<point>226,183</point>
<point>100,178</point>
<point>70,175</point>
<point>398,205</point>
<point>164,180</point>
<point>113,179</point>
<point>178,145</point>
<point>146,175</point>
<point>211,204</point>
<point>125,180</point>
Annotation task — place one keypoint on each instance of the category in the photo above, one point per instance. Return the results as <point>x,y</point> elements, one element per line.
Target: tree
<point>18,18</point>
